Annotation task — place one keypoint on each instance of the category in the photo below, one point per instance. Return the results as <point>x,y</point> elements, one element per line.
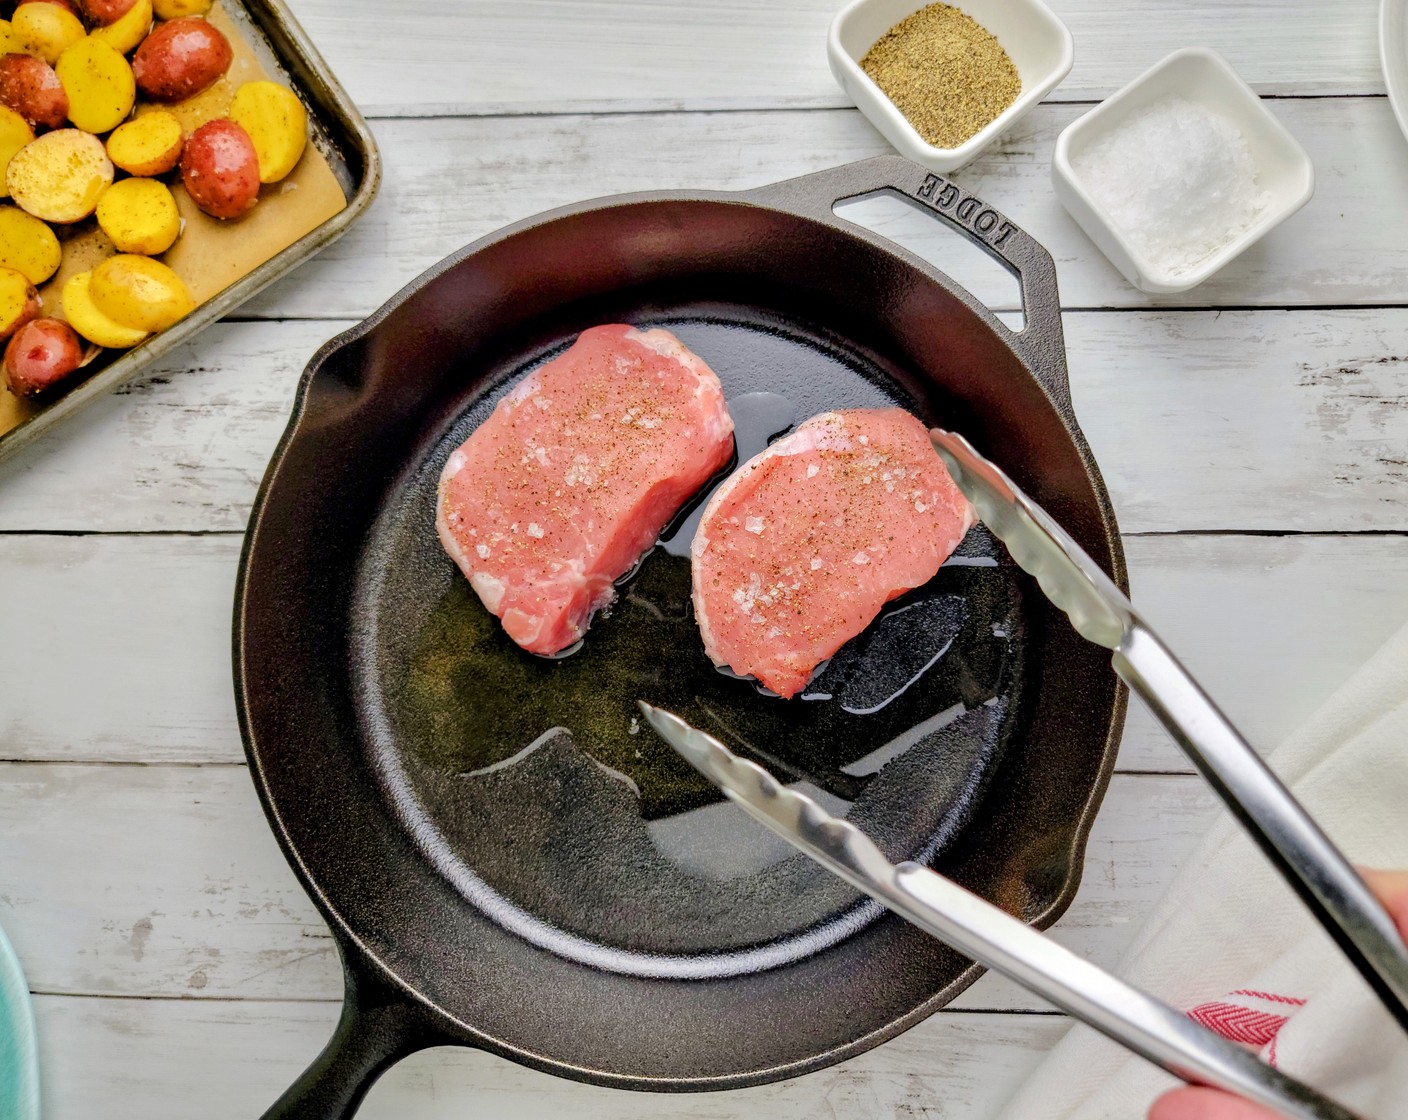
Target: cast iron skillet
<point>577,900</point>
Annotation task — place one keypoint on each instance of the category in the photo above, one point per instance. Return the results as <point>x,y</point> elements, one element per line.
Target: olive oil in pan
<point>471,699</point>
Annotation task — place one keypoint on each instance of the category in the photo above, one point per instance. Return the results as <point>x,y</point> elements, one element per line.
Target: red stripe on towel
<point>1240,1024</point>
<point>1270,996</point>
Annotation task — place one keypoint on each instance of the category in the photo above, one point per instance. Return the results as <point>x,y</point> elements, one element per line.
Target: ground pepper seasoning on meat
<point>946,74</point>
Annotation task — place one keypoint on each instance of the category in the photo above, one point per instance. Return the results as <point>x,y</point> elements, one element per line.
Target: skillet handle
<point>378,1027</point>
<point>1041,340</point>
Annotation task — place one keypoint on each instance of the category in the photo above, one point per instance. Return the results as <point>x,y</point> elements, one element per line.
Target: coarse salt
<point>1177,179</point>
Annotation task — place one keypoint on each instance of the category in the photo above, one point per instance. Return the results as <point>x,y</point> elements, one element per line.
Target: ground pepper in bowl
<point>948,75</point>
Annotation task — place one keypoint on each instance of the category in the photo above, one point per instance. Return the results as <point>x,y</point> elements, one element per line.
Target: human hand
<point>1193,1103</point>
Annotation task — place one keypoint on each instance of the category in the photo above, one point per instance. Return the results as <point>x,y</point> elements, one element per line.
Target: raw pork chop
<point>801,547</point>
<point>574,475</point>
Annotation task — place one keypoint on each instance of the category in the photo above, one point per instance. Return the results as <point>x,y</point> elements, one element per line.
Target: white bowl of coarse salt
<point>1179,171</point>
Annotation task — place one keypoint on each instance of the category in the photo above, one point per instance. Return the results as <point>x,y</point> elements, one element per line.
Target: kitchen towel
<point>1231,945</point>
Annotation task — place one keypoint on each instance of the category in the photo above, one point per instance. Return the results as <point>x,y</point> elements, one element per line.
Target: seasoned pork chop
<point>575,473</point>
<point>801,547</point>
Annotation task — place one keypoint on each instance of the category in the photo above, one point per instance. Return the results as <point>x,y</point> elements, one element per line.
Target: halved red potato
<point>30,87</point>
<point>220,169</point>
<point>181,58</point>
<point>40,355</point>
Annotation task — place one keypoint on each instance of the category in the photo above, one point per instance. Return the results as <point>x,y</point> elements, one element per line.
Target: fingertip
<point>1205,1104</point>
<point>1392,889</point>
<point>1398,911</point>
<point>1181,1104</point>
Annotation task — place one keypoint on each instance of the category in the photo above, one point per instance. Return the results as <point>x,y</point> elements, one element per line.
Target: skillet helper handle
<point>377,1028</point>
<point>1305,857</point>
<point>1041,340</point>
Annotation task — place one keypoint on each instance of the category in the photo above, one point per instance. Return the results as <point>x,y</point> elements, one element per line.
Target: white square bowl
<point>1284,171</point>
<point>1036,41</point>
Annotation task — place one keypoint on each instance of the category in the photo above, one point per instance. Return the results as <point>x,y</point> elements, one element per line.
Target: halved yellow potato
<point>84,316</point>
<point>126,32</point>
<point>179,9</point>
<point>45,30</point>
<point>19,302</point>
<point>277,123</point>
<point>9,41</point>
<point>60,176</point>
<point>149,144</point>
<point>15,133</point>
<point>139,292</point>
<point>99,83</point>
<point>139,216</point>
<point>27,245</point>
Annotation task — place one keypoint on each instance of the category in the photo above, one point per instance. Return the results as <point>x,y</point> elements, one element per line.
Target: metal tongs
<point>1300,851</point>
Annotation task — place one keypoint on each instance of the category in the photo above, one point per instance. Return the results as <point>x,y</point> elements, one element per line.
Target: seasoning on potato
<point>179,9</point>
<point>276,122</point>
<point>30,87</point>
<point>19,301</point>
<point>45,30</point>
<point>15,133</point>
<point>83,315</point>
<point>220,169</point>
<point>99,84</point>
<point>27,245</point>
<point>139,216</point>
<point>128,30</point>
<point>147,145</point>
<point>139,292</point>
<point>60,176</point>
<point>181,58</point>
<point>41,354</point>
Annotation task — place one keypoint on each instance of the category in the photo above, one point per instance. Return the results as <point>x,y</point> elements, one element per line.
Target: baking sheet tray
<point>225,263</point>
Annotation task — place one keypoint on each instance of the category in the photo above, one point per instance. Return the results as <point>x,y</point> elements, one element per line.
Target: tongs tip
<point>689,742</point>
<point>666,723</point>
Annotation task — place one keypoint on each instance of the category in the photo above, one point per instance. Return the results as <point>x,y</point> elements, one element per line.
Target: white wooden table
<point>1254,434</point>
